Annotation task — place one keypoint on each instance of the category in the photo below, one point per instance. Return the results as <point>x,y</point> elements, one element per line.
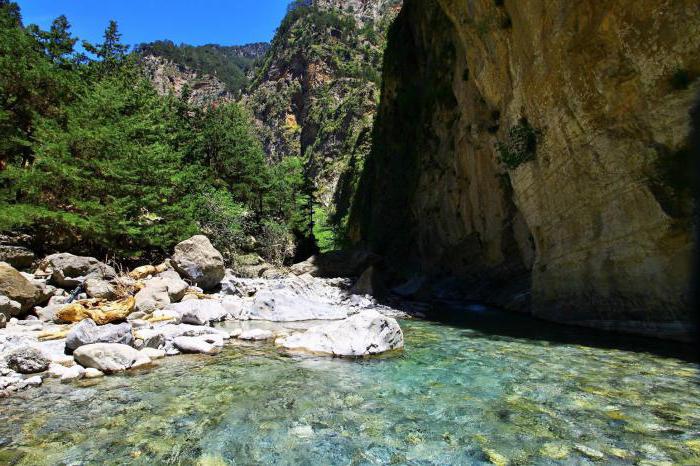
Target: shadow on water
<point>494,323</point>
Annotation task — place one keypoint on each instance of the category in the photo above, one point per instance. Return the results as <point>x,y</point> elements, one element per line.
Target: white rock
<point>366,333</point>
<point>92,373</point>
<point>73,373</point>
<point>109,357</point>
<point>87,332</point>
<point>33,381</point>
<point>153,353</point>
<point>152,338</point>
<point>255,334</point>
<point>200,312</point>
<point>283,305</point>
<point>151,298</point>
<point>195,345</point>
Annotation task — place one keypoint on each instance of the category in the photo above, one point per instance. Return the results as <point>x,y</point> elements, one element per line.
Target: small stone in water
<point>590,452</point>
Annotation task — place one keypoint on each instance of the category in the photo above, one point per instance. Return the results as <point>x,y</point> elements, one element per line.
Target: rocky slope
<point>232,65</point>
<point>533,152</point>
<point>316,94</point>
<point>169,77</point>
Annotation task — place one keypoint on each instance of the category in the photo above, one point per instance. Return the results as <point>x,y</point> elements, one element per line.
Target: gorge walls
<point>535,153</point>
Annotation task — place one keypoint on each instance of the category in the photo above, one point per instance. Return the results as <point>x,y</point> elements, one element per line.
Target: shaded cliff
<point>535,155</point>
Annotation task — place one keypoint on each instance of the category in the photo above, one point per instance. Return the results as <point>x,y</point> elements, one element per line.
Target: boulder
<point>17,256</point>
<point>369,283</point>
<point>17,288</point>
<point>283,305</point>
<point>48,313</point>
<point>69,271</point>
<point>202,344</point>
<point>199,262</point>
<point>175,286</point>
<point>99,311</point>
<point>99,288</point>
<point>27,360</point>
<point>336,264</point>
<point>8,309</point>
<point>200,312</point>
<point>152,297</point>
<point>88,332</point>
<point>366,333</point>
<point>151,338</point>
<point>109,357</point>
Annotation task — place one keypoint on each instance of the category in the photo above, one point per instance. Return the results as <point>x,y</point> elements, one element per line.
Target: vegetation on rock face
<point>230,64</point>
<point>94,160</point>
<point>315,98</point>
<point>521,145</point>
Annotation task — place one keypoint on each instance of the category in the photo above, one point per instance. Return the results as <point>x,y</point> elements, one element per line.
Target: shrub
<point>521,145</point>
<point>276,242</point>
<point>680,79</point>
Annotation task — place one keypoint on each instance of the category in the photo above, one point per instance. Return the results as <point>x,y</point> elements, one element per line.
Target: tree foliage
<point>89,151</point>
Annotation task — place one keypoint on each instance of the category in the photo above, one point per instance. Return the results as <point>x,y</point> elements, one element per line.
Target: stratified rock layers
<point>596,229</point>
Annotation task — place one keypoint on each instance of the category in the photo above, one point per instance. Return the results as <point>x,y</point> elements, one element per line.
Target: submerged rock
<point>255,334</point>
<point>199,262</point>
<point>109,357</point>
<point>88,332</point>
<point>366,333</point>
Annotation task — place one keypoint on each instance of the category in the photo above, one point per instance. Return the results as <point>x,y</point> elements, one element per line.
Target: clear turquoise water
<point>454,396</point>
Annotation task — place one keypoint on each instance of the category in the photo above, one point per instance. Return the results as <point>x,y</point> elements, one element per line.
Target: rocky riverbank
<point>75,317</point>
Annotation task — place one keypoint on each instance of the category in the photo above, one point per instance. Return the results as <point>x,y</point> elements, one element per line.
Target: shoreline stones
<point>110,357</point>
<point>366,333</point>
<point>112,336</point>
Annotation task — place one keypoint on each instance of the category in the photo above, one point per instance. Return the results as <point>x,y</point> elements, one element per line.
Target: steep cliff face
<point>169,77</point>
<point>535,151</point>
<point>316,94</point>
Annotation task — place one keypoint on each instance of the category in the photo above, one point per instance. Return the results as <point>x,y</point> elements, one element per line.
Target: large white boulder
<point>366,333</point>
<point>109,357</point>
<point>200,311</point>
<point>199,262</point>
<point>88,332</point>
<point>283,305</point>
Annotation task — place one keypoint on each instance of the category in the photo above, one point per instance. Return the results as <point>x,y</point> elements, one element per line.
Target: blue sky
<point>226,22</point>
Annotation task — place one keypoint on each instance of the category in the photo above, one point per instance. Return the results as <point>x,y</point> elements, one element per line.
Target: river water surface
<point>454,396</point>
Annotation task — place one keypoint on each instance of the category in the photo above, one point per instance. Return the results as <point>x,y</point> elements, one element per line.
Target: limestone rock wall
<point>596,229</point>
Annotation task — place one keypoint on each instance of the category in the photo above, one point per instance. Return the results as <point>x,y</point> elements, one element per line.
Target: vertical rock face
<point>537,149</point>
<point>316,94</point>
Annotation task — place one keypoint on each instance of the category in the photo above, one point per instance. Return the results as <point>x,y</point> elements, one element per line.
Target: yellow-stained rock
<point>100,311</point>
<point>144,271</point>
